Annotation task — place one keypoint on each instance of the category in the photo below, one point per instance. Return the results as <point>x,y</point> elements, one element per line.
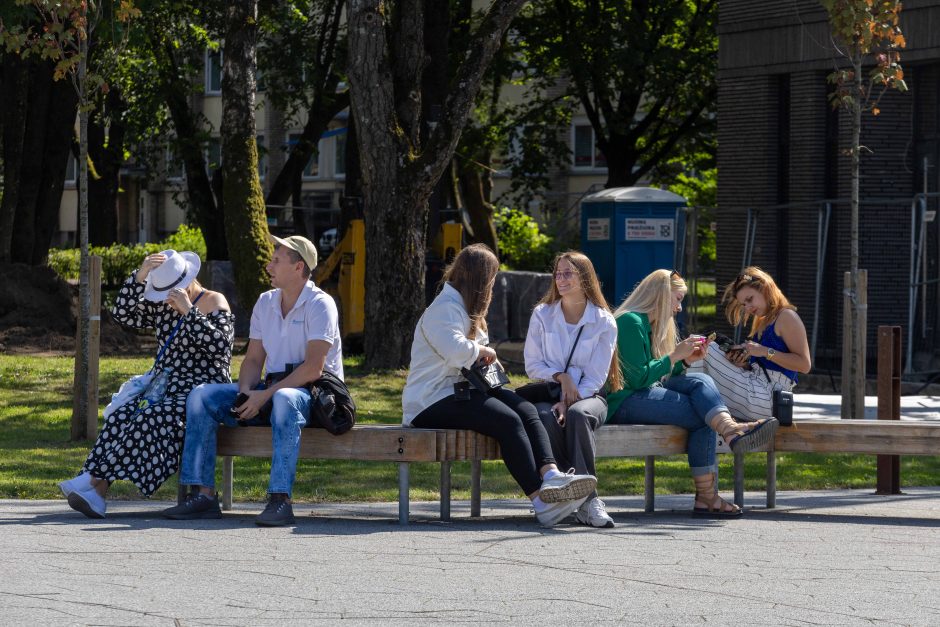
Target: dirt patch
<point>38,313</point>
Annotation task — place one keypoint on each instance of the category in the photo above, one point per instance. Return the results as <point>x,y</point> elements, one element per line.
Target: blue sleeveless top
<point>770,339</point>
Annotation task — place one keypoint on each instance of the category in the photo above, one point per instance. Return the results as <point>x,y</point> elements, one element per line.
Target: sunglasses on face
<point>566,275</point>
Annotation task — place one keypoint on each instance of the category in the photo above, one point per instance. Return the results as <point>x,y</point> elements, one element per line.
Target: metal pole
<point>403,494</point>
<point>445,491</point>
<point>649,490</point>
<point>822,238</point>
<point>921,202</point>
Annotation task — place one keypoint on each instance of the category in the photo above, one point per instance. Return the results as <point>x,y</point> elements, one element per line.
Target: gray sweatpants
<point>573,445</point>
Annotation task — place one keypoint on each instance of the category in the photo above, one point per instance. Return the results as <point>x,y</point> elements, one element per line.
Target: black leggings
<point>506,416</point>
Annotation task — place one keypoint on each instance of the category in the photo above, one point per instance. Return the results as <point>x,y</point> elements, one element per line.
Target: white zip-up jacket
<point>440,349</point>
<point>548,342</point>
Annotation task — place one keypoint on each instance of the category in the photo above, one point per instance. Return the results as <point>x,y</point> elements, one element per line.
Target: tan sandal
<point>706,491</point>
<point>757,435</point>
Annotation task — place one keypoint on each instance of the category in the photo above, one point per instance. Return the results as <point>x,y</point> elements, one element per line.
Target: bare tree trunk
<point>853,383</point>
<point>82,361</point>
<point>399,170</point>
<point>246,226</point>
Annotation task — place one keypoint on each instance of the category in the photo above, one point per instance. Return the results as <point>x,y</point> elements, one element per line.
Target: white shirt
<point>548,342</point>
<point>440,349</point>
<point>284,338</point>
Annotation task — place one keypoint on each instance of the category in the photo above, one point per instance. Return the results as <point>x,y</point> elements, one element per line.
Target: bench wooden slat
<point>368,443</point>
<point>640,440</point>
<point>875,437</point>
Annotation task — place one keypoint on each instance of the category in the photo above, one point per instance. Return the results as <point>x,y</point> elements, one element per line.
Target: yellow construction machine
<point>350,257</point>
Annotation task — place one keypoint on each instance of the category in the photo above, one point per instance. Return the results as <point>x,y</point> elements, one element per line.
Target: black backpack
<point>331,406</point>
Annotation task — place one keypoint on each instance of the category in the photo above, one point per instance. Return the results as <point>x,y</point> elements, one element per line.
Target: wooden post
<point>855,298</point>
<point>86,427</point>
<point>889,403</point>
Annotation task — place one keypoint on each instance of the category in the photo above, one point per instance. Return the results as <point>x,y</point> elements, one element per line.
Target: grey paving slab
<point>833,557</point>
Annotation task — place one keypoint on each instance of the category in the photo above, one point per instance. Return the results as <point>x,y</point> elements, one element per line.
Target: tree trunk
<point>203,208</point>
<point>291,174</point>
<point>399,170</point>
<point>49,128</point>
<point>13,113</point>
<point>478,206</point>
<point>246,226</point>
<point>853,385</point>
<point>106,149</point>
<point>83,352</point>
<point>56,151</point>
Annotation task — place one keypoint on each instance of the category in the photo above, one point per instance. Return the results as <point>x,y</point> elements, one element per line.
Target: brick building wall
<point>779,143</point>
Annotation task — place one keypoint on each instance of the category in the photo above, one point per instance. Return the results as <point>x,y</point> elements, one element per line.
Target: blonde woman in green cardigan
<point>658,391</point>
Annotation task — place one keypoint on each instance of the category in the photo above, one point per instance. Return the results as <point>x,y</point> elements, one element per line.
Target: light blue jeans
<point>689,401</point>
<point>208,406</point>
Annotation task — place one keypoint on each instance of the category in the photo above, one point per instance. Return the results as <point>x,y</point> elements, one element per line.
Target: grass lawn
<point>35,410</point>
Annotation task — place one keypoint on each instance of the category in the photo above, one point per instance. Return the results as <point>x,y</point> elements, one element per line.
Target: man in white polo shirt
<point>294,336</point>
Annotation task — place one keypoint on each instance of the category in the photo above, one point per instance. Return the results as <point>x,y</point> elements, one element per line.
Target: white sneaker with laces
<point>593,513</point>
<point>77,484</point>
<point>567,487</point>
<point>88,502</point>
<point>554,513</point>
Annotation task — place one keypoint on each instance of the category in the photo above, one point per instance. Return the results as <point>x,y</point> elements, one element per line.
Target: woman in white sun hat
<point>142,436</point>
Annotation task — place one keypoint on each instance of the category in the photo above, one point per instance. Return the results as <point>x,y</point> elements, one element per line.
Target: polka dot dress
<point>144,447</point>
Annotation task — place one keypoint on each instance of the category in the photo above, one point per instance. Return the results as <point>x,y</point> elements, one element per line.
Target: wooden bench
<point>404,445</point>
<point>820,435</point>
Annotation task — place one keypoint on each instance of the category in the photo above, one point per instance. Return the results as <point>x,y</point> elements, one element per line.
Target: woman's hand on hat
<point>150,262</point>
<point>179,300</point>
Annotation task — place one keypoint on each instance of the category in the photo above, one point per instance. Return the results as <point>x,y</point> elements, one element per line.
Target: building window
<point>174,165</point>
<point>586,155</point>
<point>214,71</point>
<point>71,171</point>
<point>340,154</point>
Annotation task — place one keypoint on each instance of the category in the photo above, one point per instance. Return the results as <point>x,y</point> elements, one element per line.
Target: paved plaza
<point>840,557</point>
<point>827,558</point>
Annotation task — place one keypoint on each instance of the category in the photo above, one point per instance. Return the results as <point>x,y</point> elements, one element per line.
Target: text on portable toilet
<point>650,229</point>
<point>598,229</point>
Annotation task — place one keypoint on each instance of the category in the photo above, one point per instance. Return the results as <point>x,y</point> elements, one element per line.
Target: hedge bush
<point>119,260</point>
<point>522,245</point>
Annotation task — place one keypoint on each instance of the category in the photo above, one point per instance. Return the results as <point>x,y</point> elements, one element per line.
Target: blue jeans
<point>208,406</point>
<point>689,401</point>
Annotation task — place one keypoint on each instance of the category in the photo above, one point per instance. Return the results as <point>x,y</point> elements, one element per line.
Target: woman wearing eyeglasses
<point>776,350</point>
<point>658,391</point>
<point>451,335</point>
<point>571,340</point>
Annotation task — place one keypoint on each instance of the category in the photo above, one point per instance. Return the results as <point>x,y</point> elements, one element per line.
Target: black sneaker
<point>196,505</point>
<point>277,513</point>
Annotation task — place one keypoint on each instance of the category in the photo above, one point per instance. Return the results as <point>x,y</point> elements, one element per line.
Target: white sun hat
<point>177,272</point>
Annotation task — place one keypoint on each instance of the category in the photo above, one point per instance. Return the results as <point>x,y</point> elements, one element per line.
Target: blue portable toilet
<point>627,232</point>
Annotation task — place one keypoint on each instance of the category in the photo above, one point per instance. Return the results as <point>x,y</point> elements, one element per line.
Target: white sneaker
<point>567,487</point>
<point>594,514</point>
<point>88,502</point>
<point>557,512</point>
<point>79,483</point>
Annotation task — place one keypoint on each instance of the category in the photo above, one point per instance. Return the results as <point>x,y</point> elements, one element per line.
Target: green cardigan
<point>634,349</point>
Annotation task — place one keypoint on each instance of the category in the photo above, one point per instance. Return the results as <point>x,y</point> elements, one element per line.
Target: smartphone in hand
<point>239,401</point>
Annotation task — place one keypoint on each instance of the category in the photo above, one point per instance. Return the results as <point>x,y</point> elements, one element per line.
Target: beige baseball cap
<point>299,244</point>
